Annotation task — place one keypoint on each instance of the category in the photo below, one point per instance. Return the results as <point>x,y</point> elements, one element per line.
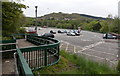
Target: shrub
<point>22,30</point>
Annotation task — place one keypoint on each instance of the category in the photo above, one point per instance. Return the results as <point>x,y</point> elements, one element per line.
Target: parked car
<point>48,35</point>
<point>31,31</point>
<point>51,31</point>
<point>45,26</point>
<point>70,34</point>
<point>109,36</point>
<point>76,32</point>
<point>65,31</point>
<point>117,35</point>
<point>59,31</point>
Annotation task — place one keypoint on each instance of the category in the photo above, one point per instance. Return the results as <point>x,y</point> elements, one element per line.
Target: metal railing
<point>46,53</point>
<point>22,68</point>
<point>8,44</point>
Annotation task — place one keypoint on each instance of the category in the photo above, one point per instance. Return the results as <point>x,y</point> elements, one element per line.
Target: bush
<point>6,38</point>
<point>22,30</point>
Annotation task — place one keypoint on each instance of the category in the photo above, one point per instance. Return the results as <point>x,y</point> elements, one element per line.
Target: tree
<point>104,27</point>
<point>97,27</point>
<point>116,25</point>
<point>92,26</point>
<point>11,17</point>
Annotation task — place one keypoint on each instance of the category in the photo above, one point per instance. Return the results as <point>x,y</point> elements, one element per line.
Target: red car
<point>31,31</point>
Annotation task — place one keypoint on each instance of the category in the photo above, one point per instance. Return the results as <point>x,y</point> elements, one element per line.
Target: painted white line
<point>110,46</point>
<point>67,47</point>
<point>64,42</point>
<point>91,55</point>
<point>103,52</point>
<point>90,46</point>
<point>74,49</point>
<point>85,40</point>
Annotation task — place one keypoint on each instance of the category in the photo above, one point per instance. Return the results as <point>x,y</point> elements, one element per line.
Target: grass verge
<point>73,64</point>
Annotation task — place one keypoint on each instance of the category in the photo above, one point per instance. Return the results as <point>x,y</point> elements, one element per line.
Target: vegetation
<point>73,64</point>
<point>118,66</point>
<point>12,17</point>
<point>6,38</point>
<point>73,21</point>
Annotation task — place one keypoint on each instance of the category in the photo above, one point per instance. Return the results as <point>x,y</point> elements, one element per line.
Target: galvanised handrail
<point>22,65</point>
<point>8,44</point>
<point>46,52</point>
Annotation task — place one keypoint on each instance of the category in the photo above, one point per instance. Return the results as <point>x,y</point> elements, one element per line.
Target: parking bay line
<point>86,53</point>
<point>67,47</point>
<point>103,52</point>
<point>74,48</point>
<point>90,46</point>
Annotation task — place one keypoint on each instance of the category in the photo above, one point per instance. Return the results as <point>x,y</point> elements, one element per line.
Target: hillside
<point>66,16</point>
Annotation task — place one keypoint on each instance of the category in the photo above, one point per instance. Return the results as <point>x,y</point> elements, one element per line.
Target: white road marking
<point>104,52</point>
<point>60,46</point>
<point>67,47</point>
<point>74,49</point>
<point>85,40</point>
<point>90,46</point>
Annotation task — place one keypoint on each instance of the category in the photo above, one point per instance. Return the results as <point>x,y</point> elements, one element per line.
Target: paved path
<point>8,66</point>
<point>22,43</point>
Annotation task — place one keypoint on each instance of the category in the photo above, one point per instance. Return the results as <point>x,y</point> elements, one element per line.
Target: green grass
<point>88,66</point>
<point>73,64</point>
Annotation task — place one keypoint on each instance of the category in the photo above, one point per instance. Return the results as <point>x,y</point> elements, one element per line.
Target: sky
<point>100,8</point>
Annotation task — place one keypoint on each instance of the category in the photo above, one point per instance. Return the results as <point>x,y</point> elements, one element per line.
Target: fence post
<point>58,49</point>
<point>16,68</point>
<point>45,57</point>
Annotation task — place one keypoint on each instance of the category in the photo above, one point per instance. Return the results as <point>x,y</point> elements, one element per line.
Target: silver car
<point>70,33</point>
<point>109,36</point>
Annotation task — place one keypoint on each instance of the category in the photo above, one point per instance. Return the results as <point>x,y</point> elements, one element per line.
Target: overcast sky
<point>91,7</point>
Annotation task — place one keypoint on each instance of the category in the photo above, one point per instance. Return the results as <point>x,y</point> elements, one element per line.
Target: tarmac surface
<point>91,45</point>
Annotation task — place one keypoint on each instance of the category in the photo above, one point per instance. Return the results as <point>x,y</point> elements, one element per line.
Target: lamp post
<point>36,18</point>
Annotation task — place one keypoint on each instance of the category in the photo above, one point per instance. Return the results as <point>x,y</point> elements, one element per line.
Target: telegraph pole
<point>36,18</point>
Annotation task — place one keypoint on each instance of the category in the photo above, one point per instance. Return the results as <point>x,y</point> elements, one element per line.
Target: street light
<point>36,18</point>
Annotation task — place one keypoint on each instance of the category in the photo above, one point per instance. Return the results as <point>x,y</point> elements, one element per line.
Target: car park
<point>48,35</point>
<point>109,36</point>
